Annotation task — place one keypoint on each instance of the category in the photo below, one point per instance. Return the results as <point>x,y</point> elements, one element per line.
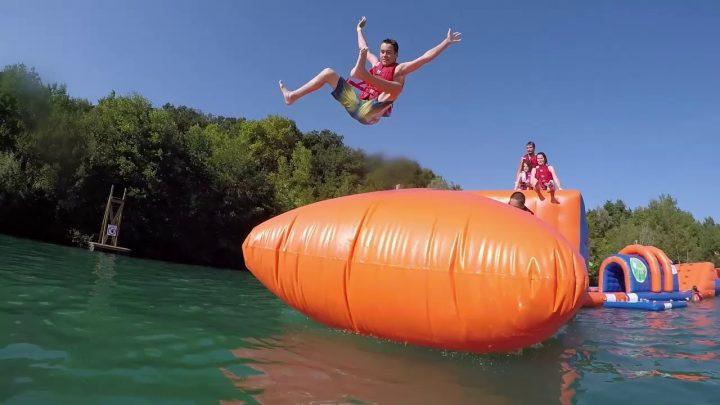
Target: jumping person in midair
<point>380,86</point>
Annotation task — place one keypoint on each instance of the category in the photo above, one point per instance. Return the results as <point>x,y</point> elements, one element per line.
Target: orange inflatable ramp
<point>439,268</point>
<point>702,275</point>
<point>567,215</point>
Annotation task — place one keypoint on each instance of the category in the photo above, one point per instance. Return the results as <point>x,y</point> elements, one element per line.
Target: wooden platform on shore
<point>108,248</point>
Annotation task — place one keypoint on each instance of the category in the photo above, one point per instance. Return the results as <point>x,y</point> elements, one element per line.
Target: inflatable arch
<point>643,277</point>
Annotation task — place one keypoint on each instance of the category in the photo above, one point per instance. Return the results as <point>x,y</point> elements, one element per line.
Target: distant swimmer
<point>380,86</point>
<point>696,296</point>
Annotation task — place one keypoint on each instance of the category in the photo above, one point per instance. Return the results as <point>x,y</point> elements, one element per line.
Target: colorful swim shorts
<point>367,112</point>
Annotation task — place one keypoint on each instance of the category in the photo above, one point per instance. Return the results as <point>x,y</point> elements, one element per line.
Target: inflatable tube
<point>593,299</point>
<point>647,305</point>
<point>665,296</point>
<point>666,268</point>
<point>436,268</point>
<point>653,266</point>
<point>596,299</point>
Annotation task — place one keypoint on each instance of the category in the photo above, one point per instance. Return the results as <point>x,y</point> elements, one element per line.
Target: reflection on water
<point>103,284</point>
<point>87,327</point>
<point>311,366</point>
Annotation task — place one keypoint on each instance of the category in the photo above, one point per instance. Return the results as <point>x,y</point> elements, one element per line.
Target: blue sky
<point>622,95</point>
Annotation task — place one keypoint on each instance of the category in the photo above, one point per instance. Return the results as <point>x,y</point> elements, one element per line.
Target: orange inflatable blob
<point>436,268</point>
<point>567,216</point>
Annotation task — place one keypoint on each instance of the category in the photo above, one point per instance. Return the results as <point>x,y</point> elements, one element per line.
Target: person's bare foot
<point>553,199</point>
<point>358,71</point>
<point>287,94</point>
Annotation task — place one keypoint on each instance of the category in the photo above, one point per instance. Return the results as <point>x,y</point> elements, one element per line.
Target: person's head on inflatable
<point>389,51</point>
<point>517,200</point>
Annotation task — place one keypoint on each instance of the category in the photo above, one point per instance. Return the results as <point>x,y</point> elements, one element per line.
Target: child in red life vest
<point>544,177</point>
<point>380,86</point>
<point>524,179</point>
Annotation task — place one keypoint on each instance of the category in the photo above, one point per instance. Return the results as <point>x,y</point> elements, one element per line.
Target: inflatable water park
<point>457,270</point>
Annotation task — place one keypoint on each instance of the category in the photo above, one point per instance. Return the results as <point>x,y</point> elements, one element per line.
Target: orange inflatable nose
<point>436,268</point>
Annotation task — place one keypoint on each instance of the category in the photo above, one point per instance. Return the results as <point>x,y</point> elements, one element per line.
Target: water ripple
<point>86,327</point>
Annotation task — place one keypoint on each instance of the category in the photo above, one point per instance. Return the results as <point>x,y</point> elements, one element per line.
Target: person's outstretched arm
<point>518,180</point>
<point>409,67</point>
<point>555,177</point>
<point>519,169</point>
<point>363,44</point>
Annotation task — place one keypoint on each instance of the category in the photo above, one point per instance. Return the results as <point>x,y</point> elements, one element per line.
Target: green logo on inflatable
<point>639,270</point>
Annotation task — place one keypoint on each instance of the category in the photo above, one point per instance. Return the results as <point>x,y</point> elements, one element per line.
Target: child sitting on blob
<point>524,178</point>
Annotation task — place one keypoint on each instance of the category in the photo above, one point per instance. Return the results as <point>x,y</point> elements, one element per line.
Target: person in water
<point>696,296</point>
<point>380,86</point>
<point>545,178</point>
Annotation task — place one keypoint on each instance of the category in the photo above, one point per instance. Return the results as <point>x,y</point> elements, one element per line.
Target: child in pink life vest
<point>524,178</point>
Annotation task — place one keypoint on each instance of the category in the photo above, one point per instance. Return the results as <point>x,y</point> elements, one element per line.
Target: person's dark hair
<point>519,197</point>
<point>530,143</point>
<point>391,42</point>
<point>544,157</point>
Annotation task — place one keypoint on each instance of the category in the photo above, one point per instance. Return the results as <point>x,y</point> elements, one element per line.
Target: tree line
<point>662,224</point>
<point>198,183</point>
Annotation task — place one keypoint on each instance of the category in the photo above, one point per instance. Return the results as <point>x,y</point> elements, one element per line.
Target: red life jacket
<point>543,175</point>
<point>531,159</point>
<point>370,92</point>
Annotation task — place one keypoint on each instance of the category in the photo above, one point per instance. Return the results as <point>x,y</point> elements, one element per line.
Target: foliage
<point>196,184</point>
<point>662,224</point>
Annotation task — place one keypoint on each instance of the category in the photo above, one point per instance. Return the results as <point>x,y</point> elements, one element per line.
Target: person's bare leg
<point>538,190</point>
<point>359,72</point>
<point>326,76</point>
<point>552,194</point>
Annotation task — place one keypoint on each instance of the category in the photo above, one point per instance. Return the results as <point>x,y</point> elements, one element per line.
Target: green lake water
<point>82,327</point>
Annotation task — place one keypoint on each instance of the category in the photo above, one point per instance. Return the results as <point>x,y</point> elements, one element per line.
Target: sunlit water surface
<point>87,327</point>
